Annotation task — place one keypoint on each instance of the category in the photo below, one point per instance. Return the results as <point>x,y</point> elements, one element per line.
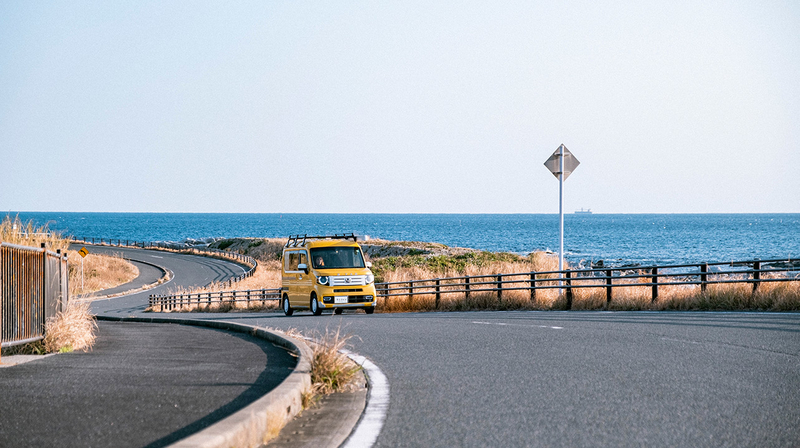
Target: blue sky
<point>291,106</point>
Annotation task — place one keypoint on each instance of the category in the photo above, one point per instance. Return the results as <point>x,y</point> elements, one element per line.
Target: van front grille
<point>348,280</point>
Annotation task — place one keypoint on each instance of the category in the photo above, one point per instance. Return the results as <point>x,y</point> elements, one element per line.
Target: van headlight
<point>370,278</point>
<point>323,279</point>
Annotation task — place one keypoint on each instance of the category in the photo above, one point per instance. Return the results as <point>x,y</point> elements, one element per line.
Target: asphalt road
<point>580,378</point>
<point>141,385</point>
<point>572,378</point>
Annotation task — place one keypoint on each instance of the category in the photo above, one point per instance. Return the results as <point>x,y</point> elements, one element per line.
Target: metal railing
<point>34,286</point>
<point>169,302</point>
<point>610,279</point>
<point>159,245</point>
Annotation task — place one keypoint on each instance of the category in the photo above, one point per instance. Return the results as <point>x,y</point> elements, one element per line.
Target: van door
<point>287,276</point>
<point>299,282</point>
<point>305,283</point>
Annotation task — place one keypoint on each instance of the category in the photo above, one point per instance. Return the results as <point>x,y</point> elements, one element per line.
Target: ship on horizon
<point>583,212</point>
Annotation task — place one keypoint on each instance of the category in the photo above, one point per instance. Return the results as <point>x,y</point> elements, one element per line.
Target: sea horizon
<point>640,238</point>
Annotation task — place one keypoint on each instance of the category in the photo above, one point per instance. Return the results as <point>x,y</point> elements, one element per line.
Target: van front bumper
<point>352,301</point>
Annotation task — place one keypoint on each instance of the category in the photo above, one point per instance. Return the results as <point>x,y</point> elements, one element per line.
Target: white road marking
<point>680,340</point>
<point>516,325</point>
<point>369,427</point>
<point>156,256</point>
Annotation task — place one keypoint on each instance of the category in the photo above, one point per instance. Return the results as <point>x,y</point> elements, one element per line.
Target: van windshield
<point>337,258</point>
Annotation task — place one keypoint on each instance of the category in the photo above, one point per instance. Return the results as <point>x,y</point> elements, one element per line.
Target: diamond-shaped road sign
<point>570,162</point>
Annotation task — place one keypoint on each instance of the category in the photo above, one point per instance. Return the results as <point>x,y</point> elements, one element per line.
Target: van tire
<point>315,309</point>
<point>287,309</point>
<point>369,309</point>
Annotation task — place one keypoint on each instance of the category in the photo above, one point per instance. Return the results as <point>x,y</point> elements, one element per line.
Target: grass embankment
<point>402,261</point>
<point>74,327</point>
<point>99,272</point>
<point>392,261</point>
<point>783,296</point>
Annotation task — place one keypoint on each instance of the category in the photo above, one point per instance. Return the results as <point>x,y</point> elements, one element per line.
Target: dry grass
<point>99,271</point>
<point>511,300</point>
<point>331,370</point>
<point>72,329</point>
<point>15,231</point>
<point>783,296</point>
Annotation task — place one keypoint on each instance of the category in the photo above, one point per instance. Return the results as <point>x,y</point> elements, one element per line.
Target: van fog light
<point>327,299</point>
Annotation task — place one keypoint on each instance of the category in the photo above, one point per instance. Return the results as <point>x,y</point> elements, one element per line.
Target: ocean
<point>617,239</point>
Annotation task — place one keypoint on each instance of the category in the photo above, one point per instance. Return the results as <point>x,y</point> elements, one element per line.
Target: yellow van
<point>325,272</point>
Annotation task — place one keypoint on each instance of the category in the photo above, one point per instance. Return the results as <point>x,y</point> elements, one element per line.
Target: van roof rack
<point>300,240</point>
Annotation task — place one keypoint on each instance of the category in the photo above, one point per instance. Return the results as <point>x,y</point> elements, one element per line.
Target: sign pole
<point>83,252</point>
<point>561,210</point>
<point>561,163</point>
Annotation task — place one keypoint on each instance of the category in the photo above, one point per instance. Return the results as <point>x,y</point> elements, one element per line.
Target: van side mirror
<point>368,264</point>
<point>303,267</point>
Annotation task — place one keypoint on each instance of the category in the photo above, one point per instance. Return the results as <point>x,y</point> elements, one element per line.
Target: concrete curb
<point>261,420</point>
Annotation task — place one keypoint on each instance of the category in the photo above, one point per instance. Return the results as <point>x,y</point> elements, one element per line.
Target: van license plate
<point>340,299</point>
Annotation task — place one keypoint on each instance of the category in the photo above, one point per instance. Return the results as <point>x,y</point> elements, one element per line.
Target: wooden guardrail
<point>755,273</point>
<point>33,287</point>
<point>169,302</point>
<point>610,279</point>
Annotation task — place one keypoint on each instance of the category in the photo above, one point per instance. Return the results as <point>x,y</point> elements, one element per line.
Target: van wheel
<point>338,311</point>
<point>369,309</point>
<point>315,309</point>
<point>287,309</point>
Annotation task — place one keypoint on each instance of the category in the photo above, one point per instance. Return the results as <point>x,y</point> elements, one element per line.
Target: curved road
<point>188,270</point>
<point>569,378</point>
<point>141,384</point>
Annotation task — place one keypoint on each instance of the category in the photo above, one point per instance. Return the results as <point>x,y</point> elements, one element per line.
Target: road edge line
<point>371,422</point>
<point>253,424</point>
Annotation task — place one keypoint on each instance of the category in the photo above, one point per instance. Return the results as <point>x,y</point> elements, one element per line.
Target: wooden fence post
<point>756,275</point>
<point>569,289</point>
<point>499,287</point>
<point>703,276</point>
<point>533,287</point>
<point>466,286</point>
<point>609,288</point>
<point>655,285</point>
<point>437,293</point>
